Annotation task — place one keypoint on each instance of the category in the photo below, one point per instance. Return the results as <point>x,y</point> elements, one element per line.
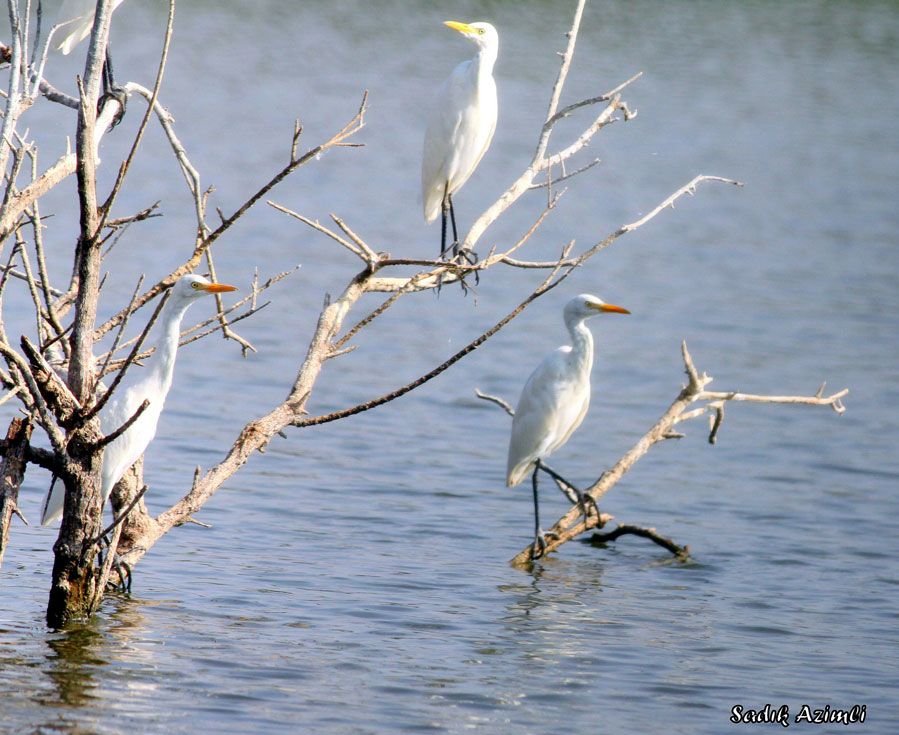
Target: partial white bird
<point>77,19</point>
<point>152,385</point>
<point>553,404</point>
<point>78,15</point>
<point>460,127</point>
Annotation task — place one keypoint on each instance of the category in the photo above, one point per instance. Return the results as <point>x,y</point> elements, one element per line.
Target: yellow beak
<point>217,287</point>
<point>612,308</point>
<point>457,26</point>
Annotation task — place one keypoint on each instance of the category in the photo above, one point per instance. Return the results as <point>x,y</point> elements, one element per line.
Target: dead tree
<point>65,408</point>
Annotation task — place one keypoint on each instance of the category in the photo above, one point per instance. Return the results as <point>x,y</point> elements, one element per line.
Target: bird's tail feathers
<point>53,503</point>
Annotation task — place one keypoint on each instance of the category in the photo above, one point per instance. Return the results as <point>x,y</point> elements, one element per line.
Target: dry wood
<point>12,472</point>
<point>681,553</point>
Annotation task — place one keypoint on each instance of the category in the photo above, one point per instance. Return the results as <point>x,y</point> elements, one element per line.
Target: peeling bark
<point>12,472</point>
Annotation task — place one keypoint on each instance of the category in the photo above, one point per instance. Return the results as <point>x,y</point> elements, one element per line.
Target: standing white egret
<point>152,385</point>
<point>553,404</point>
<point>460,127</point>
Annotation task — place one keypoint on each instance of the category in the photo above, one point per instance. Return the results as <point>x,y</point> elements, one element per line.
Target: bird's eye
<point>481,30</point>
<point>195,285</point>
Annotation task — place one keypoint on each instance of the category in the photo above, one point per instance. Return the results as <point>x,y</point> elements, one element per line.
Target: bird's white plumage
<point>152,384</point>
<point>78,15</point>
<point>462,121</point>
<point>555,398</point>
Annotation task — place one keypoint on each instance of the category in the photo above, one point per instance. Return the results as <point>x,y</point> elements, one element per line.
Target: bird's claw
<point>586,503</point>
<point>125,576</point>
<point>538,548</point>
<point>119,95</point>
<point>123,569</point>
<point>459,256</point>
<point>469,257</point>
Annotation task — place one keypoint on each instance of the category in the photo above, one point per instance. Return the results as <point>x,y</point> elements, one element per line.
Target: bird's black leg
<point>443,212</point>
<point>125,576</point>
<point>468,255</point>
<point>111,90</point>
<point>123,569</point>
<point>571,491</point>
<point>539,547</point>
<point>452,212</point>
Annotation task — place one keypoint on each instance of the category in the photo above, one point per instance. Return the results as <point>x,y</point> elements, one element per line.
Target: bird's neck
<point>162,364</point>
<point>484,62</point>
<point>581,345</point>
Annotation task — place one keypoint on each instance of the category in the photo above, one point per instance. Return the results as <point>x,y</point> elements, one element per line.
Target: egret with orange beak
<point>153,386</point>
<point>553,404</point>
<point>460,127</point>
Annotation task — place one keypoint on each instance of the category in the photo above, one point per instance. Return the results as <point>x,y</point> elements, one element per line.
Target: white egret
<point>553,404</point>
<point>460,127</point>
<point>152,385</point>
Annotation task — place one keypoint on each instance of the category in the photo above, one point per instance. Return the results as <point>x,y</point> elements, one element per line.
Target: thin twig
<point>501,402</point>
<point>350,128</point>
<point>315,225</point>
<point>547,285</point>
<point>113,435</point>
<point>98,406</point>
<point>121,516</point>
<point>138,137</point>
<point>118,336</point>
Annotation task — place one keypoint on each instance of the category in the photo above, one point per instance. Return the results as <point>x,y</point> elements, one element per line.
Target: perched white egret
<point>78,15</point>
<point>460,127</point>
<point>152,385</point>
<point>553,404</point>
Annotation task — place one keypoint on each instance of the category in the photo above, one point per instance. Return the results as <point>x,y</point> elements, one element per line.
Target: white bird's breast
<point>477,122</point>
<point>126,449</point>
<point>552,405</point>
<point>460,128</point>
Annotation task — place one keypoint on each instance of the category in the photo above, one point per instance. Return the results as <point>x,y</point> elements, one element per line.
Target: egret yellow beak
<point>457,26</point>
<point>610,307</point>
<point>217,287</point>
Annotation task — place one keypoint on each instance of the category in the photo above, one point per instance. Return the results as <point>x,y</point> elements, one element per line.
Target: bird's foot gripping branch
<point>693,401</point>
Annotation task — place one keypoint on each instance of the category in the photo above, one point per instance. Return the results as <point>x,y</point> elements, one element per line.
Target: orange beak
<point>218,287</point>
<point>614,309</point>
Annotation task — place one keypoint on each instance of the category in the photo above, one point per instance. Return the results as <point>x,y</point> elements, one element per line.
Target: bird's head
<point>191,287</point>
<point>585,305</point>
<point>482,34</point>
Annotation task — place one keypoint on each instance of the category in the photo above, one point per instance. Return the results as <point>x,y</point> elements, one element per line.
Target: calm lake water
<point>355,578</point>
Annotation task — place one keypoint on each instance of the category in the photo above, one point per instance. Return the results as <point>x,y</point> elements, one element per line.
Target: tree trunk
<point>74,574</point>
<point>12,472</point>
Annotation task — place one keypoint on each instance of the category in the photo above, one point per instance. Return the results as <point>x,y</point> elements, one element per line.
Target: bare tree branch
<point>353,126</point>
<point>682,553</point>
